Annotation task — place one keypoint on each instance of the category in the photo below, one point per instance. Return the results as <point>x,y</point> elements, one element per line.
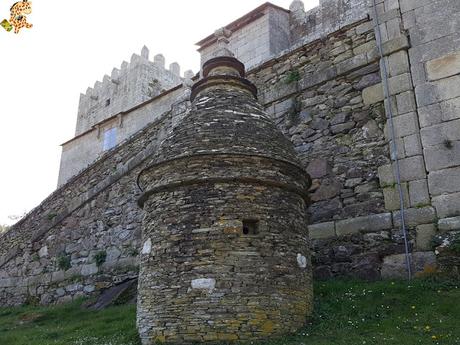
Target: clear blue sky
<point>73,44</point>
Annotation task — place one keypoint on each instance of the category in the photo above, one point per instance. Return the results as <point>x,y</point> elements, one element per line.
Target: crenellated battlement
<point>132,83</point>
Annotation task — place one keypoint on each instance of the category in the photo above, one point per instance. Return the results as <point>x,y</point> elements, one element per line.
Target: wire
<point>393,145</point>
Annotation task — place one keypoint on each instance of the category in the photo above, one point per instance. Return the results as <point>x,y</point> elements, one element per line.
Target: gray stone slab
<point>441,156</point>
<point>449,224</point>
<point>395,266</point>
<point>415,216</point>
<point>424,236</point>
<point>438,134</point>
<point>322,230</point>
<point>407,5</point>
<point>418,193</point>
<point>450,109</point>
<point>444,181</point>
<point>395,44</point>
<point>412,145</point>
<point>372,223</point>
<point>406,102</point>
<point>412,168</point>
<point>373,94</point>
<point>448,88</point>
<point>430,115</point>
<point>391,197</point>
<point>403,125</point>
<point>447,205</point>
<point>443,67</point>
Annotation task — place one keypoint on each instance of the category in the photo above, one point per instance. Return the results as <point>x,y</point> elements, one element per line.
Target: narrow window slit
<point>250,227</point>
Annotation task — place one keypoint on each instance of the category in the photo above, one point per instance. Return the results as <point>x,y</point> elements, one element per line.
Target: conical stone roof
<point>226,119</point>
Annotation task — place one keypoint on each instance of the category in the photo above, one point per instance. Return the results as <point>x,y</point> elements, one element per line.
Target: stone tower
<point>226,250</point>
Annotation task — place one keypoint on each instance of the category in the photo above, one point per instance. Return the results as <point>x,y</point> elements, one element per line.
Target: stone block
<point>442,156</point>
<point>412,168</point>
<point>426,94</point>
<point>404,125</point>
<point>400,83</point>
<point>391,196</point>
<point>328,189</point>
<point>412,145</point>
<point>352,63</point>
<point>394,28</point>
<point>407,5</point>
<point>430,115</point>
<point>322,230</point>
<point>449,224</point>
<point>386,175</point>
<point>418,73</point>
<point>447,205</point>
<point>443,67</point>
<point>88,270</point>
<point>448,88</point>
<point>395,266</point>
<point>415,216</point>
<point>450,109</point>
<point>395,44</point>
<point>57,276</point>
<point>418,193</point>
<point>364,28</point>
<point>408,20</point>
<point>372,223</point>
<point>373,94</point>
<point>389,15</point>
<point>424,235</point>
<point>364,48</point>
<point>438,134</point>
<point>444,181</point>
<point>318,168</point>
<point>406,102</point>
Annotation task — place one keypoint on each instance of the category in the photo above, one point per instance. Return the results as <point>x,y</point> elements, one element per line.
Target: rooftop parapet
<point>269,30</point>
<point>133,83</point>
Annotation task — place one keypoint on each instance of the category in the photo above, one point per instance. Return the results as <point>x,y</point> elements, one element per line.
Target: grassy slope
<point>347,313</point>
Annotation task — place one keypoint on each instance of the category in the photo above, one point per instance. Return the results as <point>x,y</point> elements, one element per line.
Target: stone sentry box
<point>226,249</point>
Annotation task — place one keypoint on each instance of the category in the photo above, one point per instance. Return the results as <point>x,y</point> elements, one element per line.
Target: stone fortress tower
<point>101,120</point>
<point>320,77</point>
<point>225,245</point>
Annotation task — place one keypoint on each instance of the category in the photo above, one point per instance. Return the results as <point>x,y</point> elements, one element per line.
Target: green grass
<point>347,313</point>
<point>68,325</point>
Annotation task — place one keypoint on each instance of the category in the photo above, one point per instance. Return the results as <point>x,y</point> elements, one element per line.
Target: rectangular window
<point>110,138</point>
<point>250,227</point>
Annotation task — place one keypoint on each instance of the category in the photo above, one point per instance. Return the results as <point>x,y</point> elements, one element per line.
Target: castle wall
<point>259,40</point>
<point>85,236</point>
<point>135,82</point>
<point>83,150</point>
<point>327,96</point>
<point>317,96</point>
<point>434,56</point>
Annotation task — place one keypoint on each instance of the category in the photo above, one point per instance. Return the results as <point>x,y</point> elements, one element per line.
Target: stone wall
<point>256,37</point>
<point>135,82</point>
<point>85,236</point>
<point>327,96</point>
<point>434,56</point>
<point>80,152</point>
<point>318,97</point>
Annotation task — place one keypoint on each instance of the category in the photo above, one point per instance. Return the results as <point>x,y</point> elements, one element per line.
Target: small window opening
<point>250,227</point>
<point>107,102</point>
